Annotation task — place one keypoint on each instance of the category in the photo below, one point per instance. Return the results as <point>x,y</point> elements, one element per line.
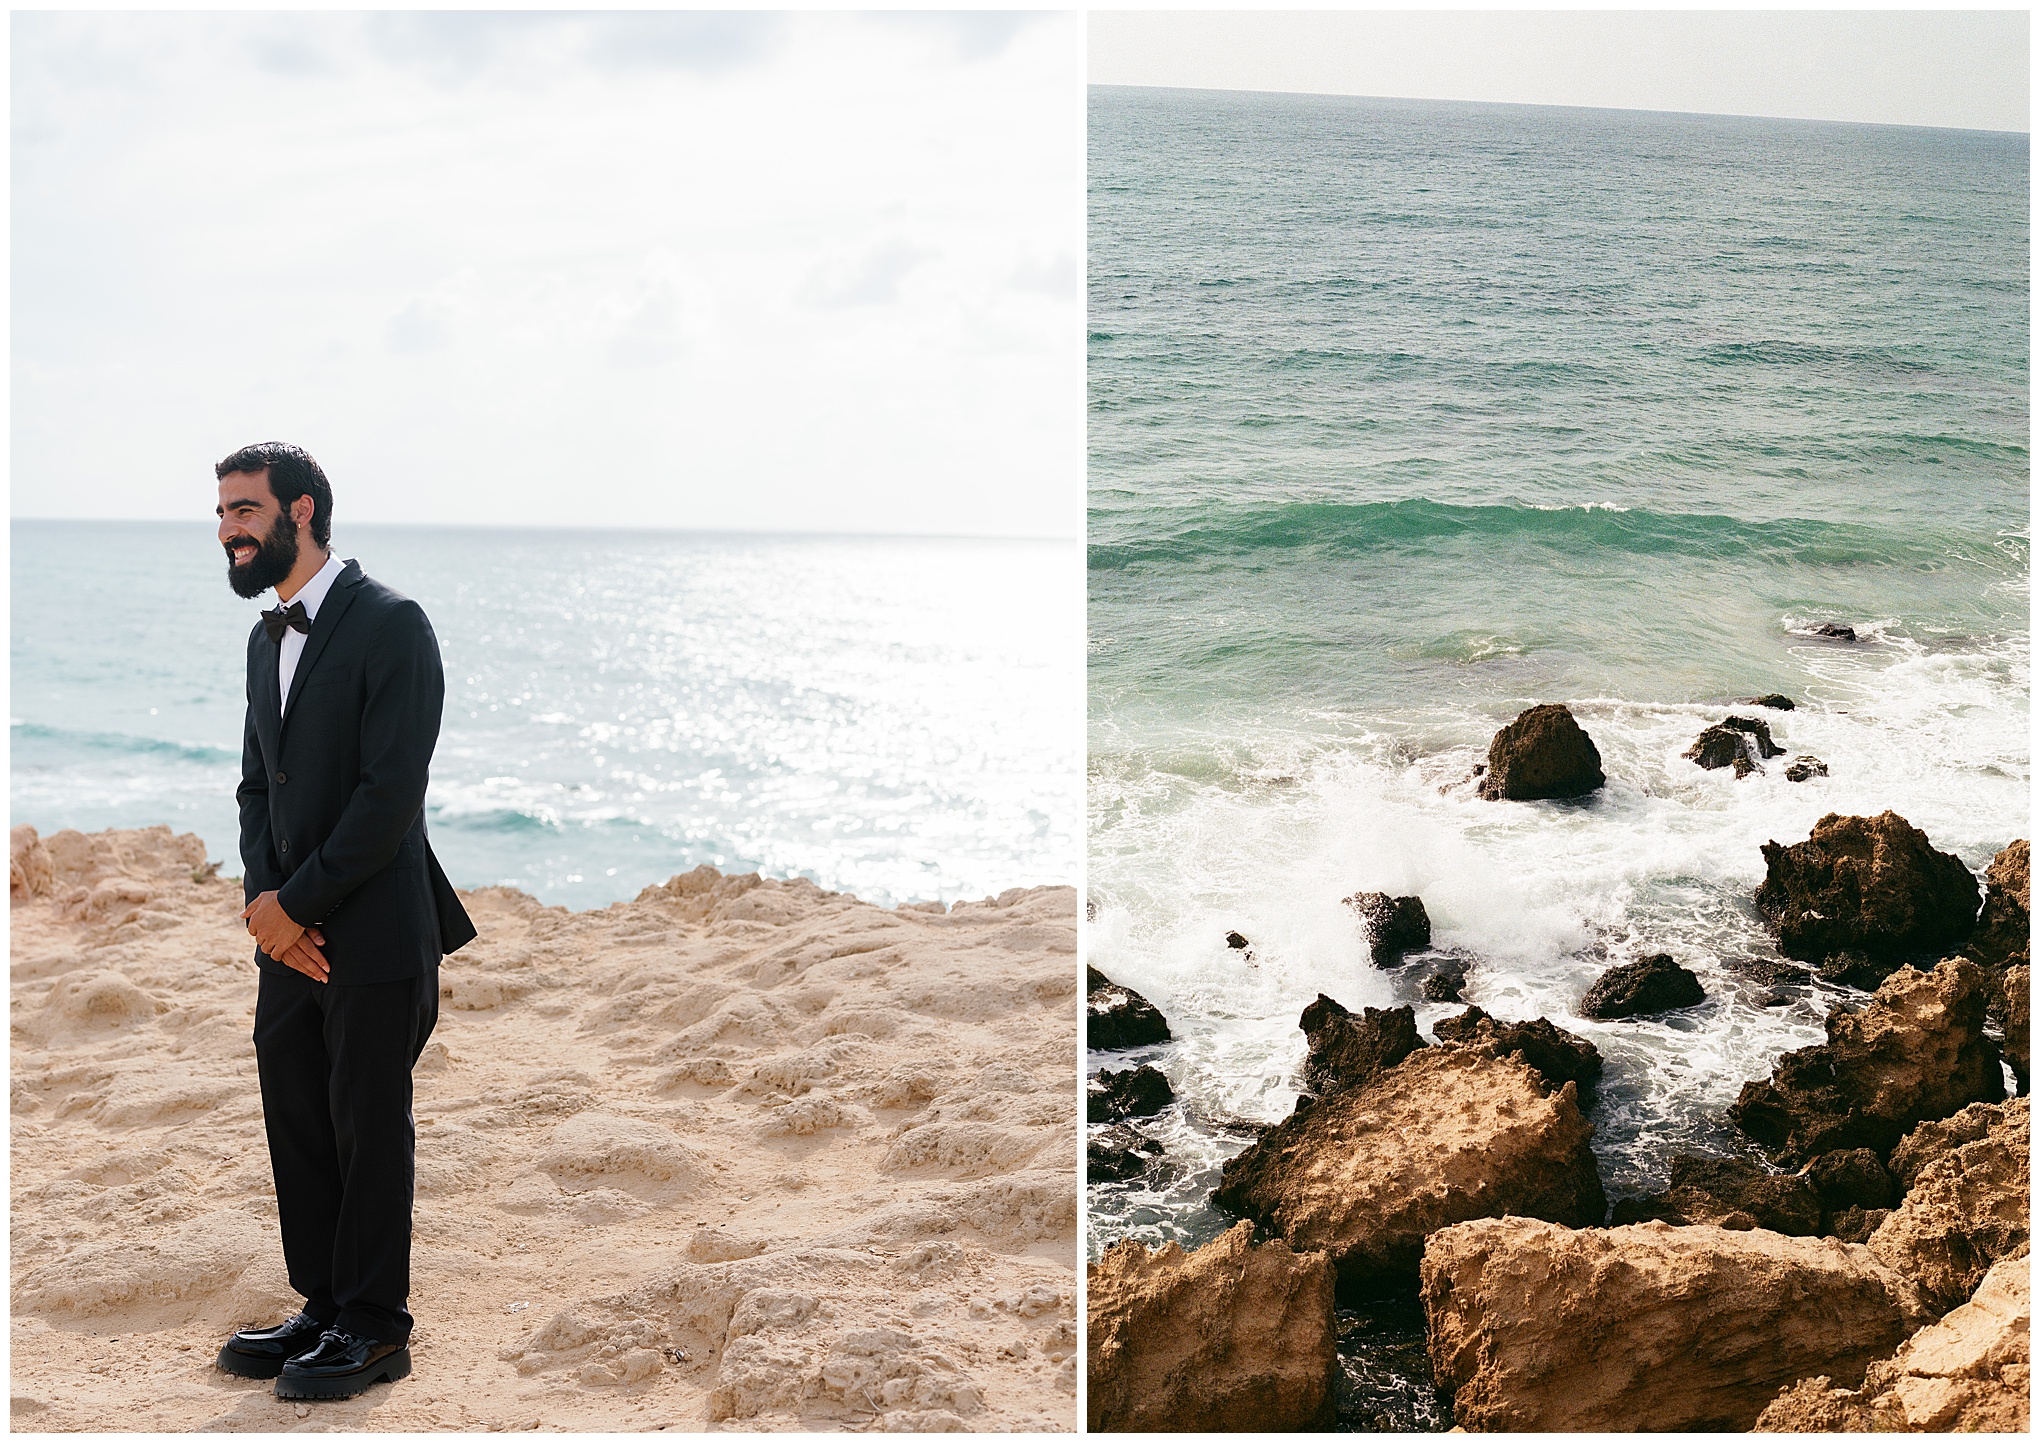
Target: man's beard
<point>273,560</point>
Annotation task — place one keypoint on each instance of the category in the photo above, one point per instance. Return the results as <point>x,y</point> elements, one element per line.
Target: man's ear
<point>301,511</point>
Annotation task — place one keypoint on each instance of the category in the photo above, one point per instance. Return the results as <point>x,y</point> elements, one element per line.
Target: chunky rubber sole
<point>383,1370</point>
<point>243,1366</point>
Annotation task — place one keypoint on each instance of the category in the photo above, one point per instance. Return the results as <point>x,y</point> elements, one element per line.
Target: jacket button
<point>283,846</point>
<point>281,779</point>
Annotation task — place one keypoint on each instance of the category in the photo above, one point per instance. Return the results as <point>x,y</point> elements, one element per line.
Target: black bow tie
<point>275,621</point>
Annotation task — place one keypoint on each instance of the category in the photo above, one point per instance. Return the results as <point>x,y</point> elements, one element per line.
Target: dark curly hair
<point>292,473</point>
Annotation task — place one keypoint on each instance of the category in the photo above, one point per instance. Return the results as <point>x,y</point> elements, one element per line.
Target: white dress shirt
<point>293,646</point>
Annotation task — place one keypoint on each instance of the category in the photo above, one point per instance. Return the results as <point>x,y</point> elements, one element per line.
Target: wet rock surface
<point>1449,1134</point>
<point>1137,1092</point>
<point>1229,1338</point>
<point>1447,983</point>
<point>1117,1017</point>
<point>1543,753</point>
<point>1916,1053</point>
<point>1538,1328</point>
<point>1348,1050</point>
<point>1637,989</point>
<point>2004,931</point>
<point>1872,886</point>
<point>1395,925</point>
<point>1119,1154</point>
<point>1557,1056</point>
<point>1805,769</point>
<point>1965,1209</point>
<point>1774,700</point>
<point>1834,631</point>
<point>1728,1193</point>
<point>1971,1372</point>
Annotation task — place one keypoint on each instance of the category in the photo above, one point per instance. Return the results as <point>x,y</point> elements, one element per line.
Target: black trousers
<point>335,1064</point>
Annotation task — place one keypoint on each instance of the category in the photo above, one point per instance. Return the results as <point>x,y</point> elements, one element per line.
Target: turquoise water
<point>894,718</point>
<point>1408,415</point>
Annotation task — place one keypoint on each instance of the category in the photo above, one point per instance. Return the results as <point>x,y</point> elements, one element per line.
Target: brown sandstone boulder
<point>2004,933</point>
<point>1558,1056</point>
<point>29,870</point>
<point>1972,1372</point>
<point>1346,1051</point>
<point>1230,1338</point>
<point>1542,753</point>
<point>1649,1328</point>
<point>1451,1133</point>
<point>1917,1052</point>
<point>1931,1141</point>
<point>1870,890</point>
<point>1965,1210</point>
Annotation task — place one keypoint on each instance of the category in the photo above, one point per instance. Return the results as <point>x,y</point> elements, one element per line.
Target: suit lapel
<point>268,709</point>
<point>330,611</point>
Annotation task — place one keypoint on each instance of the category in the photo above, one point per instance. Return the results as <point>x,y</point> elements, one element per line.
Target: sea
<point>1408,415</point>
<point>898,718</point>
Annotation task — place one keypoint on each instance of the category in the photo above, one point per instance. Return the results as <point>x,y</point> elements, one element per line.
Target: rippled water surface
<point>1406,416</point>
<point>894,718</point>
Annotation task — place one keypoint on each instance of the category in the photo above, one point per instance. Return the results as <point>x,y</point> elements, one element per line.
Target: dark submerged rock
<point>1238,942</point>
<point>1395,925</point>
<point>1637,989</point>
<point>1446,984</point>
<point>1835,631</point>
<point>1871,885</point>
<point>1917,1053</point>
<point>1774,701</point>
<point>1118,1154</point>
<point>1348,1051</point>
<point>1137,1092</point>
<point>1802,769</point>
<point>1558,1055</point>
<point>1118,1017</point>
<point>1542,753</point>
<point>1718,747</point>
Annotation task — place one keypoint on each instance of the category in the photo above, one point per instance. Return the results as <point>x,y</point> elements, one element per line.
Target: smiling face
<point>260,536</point>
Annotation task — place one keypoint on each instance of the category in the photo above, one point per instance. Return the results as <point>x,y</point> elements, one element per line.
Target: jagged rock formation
<point>1972,1372</point>
<point>1649,1328</point>
<point>1450,1133</point>
<point>1637,989</point>
<point>1117,1017</point>
<point>1967,1206</point>
<point>1542,753</point>
<point>1347,1051</point>
<point>1230,1338</point>
<point>1867,893</point>
<point>1917,1052</point>
<point>2004,932</point>
<point>1557,1055</point>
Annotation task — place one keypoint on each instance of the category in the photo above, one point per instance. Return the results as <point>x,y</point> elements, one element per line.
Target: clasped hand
<point>275,933</point>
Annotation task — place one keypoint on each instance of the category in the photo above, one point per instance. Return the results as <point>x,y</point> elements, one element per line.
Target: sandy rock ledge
<point>740,1153</point>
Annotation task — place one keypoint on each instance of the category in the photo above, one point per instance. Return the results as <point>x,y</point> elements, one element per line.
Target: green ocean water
<point>1405,416</point>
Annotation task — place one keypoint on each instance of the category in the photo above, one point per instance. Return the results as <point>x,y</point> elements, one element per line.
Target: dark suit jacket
<point>333,790</point>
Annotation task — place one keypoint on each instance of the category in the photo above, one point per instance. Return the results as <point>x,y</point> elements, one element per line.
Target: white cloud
<point>793,271</point>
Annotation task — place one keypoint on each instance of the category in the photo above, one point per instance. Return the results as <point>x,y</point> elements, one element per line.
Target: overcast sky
<point>814,272</point>
<point>1967,69</point>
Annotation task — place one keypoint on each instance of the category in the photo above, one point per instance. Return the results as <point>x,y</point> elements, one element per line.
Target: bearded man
<point>350,913</point>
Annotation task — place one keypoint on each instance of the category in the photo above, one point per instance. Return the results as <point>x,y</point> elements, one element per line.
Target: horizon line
<point>733,531</point>
<point>1550,105</point>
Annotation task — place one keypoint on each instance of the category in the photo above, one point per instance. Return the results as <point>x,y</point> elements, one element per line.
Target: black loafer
<point>262,1352</point>
<point>341,1366</point>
